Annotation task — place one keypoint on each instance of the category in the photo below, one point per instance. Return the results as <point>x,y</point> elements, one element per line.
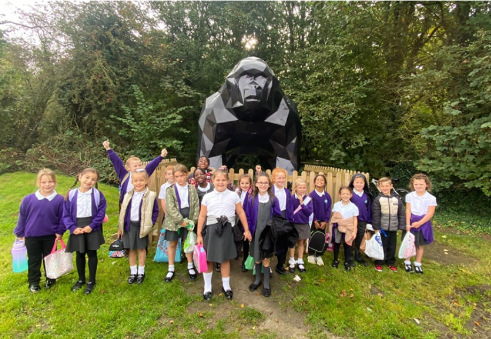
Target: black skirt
<point>183,231</point>
<point>132,240</point>
<point>219,249</point>
<point>86,241</point>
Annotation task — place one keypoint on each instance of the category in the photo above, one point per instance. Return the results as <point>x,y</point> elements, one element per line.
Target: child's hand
<point>87,229</point>
<point>323,225</point>
<point>247,235</point>
<point>316,224</point>
<point>163,154</point>
<point>184,223</point>
<point>78,230</point>
<point>58,236</point>
<point>120,234</point>
<point>106,145</point>
<point>199,240</point>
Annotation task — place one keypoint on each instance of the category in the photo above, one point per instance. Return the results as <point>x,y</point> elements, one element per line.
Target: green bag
<point>249,263</point>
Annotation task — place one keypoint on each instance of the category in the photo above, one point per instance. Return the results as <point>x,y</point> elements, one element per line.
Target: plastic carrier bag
<point>408,247</point>
<point>190,242</point>
<point>374,248</point>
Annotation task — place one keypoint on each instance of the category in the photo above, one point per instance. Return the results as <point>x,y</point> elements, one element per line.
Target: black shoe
<point>280,270</point>
<point>78,285</point>
<point>207,296</point>
<point>218,267</point>
<point>266,292</point>
<point>301,268</point>
<point>362,262</point>
<point>243,268</point>
<point>352,263</point>
<point>89,288</point>
<point>140,278</point>
<point>34,288</point>
<point>50,283</point>
<point>418,269</point>
<point>192,276</point>
<point>254,286</point>
<point>291,269</point>
<point>132,279</point>
<point>335,263</point>
<point>347,266</point>
<point>169,278</point>
<point>228,294</point>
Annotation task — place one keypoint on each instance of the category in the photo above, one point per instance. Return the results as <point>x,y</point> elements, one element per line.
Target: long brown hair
<point>255,191</point>
<point>88,169</point>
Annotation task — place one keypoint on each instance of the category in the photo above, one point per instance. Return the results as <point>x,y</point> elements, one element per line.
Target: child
<point>218,238</point>
<point>202,186</point>
<point>388,216</point>
<point>362,197</point>
<point>244,190</point>
<point>40,225</point>
<point>83,212</point>
<point>138,214</point>
<point>132,164</point>
<point>321,204</point>
<point>420,208</point>
<point>182,207</point>
<point>300,211</point>
<point>345,218</point>
<point>260,208</point>
<point>203,163</point>
<point>278,177</point>
<point>169,176</point>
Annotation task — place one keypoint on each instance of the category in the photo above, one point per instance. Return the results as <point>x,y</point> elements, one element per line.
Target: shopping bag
<point>190,242</point>
<point>199,258</point>
<point>249,263</point>
<point>58,262</point>
<point>162,252</point>
<point>366,237</point>
<point>374,248</point>
<point>408,248</point>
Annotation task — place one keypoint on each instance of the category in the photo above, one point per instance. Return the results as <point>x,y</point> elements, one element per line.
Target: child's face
<point>420,185</point>
<point>139,182</point>
<point>262,185</point>
<point>133,165</point>
<point>46,185</point>
<point>280,180</point>
<point>359,184</point>
<point>200,177</point>
<point>203,163</point>
<point>244,184</point>
<point>385,187</point>
<point>301,189</point>
<point>220,182</point>
<point>320,183</point>
<point>169,176</point>
<point>87,181</point>
<point>180,177</point>
<point>345,195</point>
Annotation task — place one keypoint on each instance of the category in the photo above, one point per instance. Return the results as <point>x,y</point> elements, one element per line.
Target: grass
<point>451,300</point>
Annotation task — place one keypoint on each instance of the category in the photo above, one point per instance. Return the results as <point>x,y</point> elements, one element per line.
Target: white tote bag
<point>58,262</point>
<point>374,248</point>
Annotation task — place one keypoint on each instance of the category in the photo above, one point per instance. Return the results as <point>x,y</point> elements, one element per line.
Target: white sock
<point>300,261</point>
<point>292,261</point>
<point>171,268</point>
<point>407,262</point>
<point>417,263</point>
<point>191,268</point>
<point>133,270</point>
<point>207,278</point>
<point>141,269</point>
<point>226,283</point>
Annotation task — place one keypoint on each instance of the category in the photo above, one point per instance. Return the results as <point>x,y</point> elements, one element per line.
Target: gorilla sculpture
<point>250,115</point>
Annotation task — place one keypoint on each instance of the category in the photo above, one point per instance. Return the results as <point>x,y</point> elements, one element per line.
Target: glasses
<point>262,183</point>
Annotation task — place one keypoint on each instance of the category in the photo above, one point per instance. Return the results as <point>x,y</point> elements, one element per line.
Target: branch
<point>18,24</point>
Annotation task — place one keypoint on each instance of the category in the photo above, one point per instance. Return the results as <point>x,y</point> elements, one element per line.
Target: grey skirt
<point>183,231</point>
<point>219,249</point>
<point>419,240</point>
<point>86,241</point>
<point>303,231</point>
<point>132,240</point>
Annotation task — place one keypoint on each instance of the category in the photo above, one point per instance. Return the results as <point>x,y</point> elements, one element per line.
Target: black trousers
<point>362,226</point>
<point>389,243</point>
<point>37,249</point>
<point>348,252</point>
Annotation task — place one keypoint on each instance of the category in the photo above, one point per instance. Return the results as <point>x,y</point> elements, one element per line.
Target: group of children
<point>224,220</point>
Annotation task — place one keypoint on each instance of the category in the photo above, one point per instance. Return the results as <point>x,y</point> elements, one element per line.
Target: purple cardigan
<point>426,229</point>
<point>288,202</point>
<point>38,218</point>
<point>303,215</point>
<point>321,206</point>
<point>70,212</point>
<point>121,170</point>
<point>155,213</point>
<point>364,204</point>
<point>252,210</point>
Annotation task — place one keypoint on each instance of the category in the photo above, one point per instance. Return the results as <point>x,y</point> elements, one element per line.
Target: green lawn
<point>451,299</point>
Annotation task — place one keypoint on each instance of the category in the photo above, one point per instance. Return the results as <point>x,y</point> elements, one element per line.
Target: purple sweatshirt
<point>70,212</point>
<point>321,206</point>
<point>39,218</point>
<point>121,170</point>
<point>303,215</point>
<point>364,204</point>
<point>251,211</point>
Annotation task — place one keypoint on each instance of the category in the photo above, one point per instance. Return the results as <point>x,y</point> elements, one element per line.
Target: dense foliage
<point>381,87</point>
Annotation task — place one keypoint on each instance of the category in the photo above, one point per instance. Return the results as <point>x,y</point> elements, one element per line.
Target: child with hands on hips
<point>343,227</point>
<point>215,222</point>
<point>300,210</point>
<point>420,208</point>
<point>182,204</point>
<point>83,213</point>
<point>40,225</point>
<point>260,207</point>
<point>137,216</point>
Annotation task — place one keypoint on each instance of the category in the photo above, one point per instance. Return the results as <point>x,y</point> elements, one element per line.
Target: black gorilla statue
<point>250,115</point>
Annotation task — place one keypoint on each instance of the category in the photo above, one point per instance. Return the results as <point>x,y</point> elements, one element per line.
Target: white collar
<point>140,193</point>
<point>360,194</point>
<point>50,197</point>
<point>320,194</point>
<point>296,196</point>
<point>263,198</point>
<point>86,193</point>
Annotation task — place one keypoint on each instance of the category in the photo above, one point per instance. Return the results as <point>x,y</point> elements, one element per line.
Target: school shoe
<point>335,263</point>
<point>78,285</point>
<point>280,270</point>
<point>132,279</point>
<point>301,267</point>
<point>89,288</point>
<point>168,278</point>
<point>192,275</point>
<point>34,288</point>
<point>418,269</point>
<point>243,268</point>
<point>319,261</point>
<point>311,260</point>
<point>347,266</point>
<point>207,296</point>
<point>291,266</point>
<point>50,283</point>
<point>140,278</point>
<point>266,292</point>
<point>409,268</point>
<point>362,262</point>
<point>254,286</point>
<point>229,294</point>
<point>378,268</point>
<point>392,268</point>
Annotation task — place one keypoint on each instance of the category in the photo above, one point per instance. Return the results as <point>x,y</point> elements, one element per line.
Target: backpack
<point>317,242</point>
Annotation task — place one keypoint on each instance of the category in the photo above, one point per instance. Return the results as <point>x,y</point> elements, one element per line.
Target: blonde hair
<point>47,172</point>
<point>169,168</point>
<point>181,168</point>
<point>297,182</point>
<point>132,158</point>
<point>139,172</point>
<point>420,176</point>
<point>220,171</point>
<point>384,179</point>
<point>277,171</point>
